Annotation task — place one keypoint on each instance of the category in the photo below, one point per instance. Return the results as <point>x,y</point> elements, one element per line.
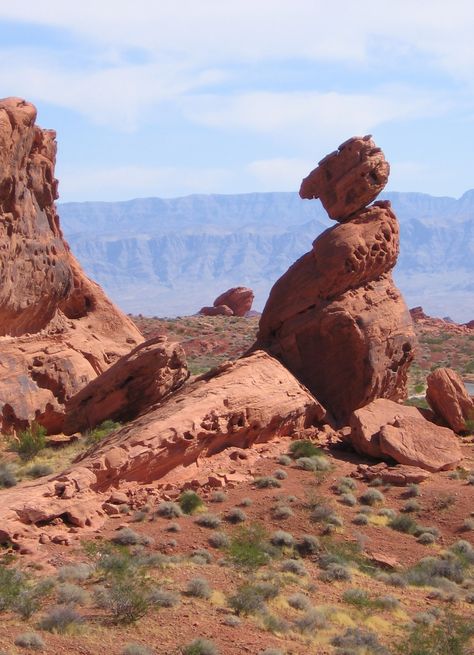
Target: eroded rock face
<point>349,178</point>
<point>449,399</point>
<point>219,310</point>
<point>57,328</point>
<point>386,430</point>
<point>133,384</point>
<point>239,299</point>
<point>250,401</point>
<point>336,318</point>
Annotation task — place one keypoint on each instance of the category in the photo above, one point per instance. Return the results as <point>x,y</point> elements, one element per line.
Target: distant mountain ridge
<point>169,257</point>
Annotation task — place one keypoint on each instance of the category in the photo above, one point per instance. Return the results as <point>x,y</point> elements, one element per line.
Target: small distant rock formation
<point>58,330</point>
<point>384,429</point>
<point>136,382</point>
<point>418,314</point>
<point>233,302</point>
<point>470,325</point>
<point>336,318</point>
<point>447,396</point>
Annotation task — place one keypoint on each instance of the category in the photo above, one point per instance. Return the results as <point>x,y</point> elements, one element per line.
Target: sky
<point>167,98</point>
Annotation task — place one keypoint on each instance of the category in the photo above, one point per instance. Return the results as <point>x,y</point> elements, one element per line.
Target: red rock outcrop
<point>449,399</point>
<point>384,429</point>
<point>247,402</point>
<point>58,330</point>
<point>239,299</point>
<point>133,384</point>
<point>218,310</point>
<point>335,318</point>
<point>349,178</point>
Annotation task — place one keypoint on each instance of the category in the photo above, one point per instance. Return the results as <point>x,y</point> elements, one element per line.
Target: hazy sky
<point>166,98</point>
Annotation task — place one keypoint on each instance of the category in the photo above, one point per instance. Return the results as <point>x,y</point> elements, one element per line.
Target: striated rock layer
<point>336,318</point>
<point>250,401</point>
<point>58,330</point>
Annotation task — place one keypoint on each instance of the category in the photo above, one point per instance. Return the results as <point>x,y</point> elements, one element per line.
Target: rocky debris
<point>233,302</point>
<point>349,178</point>
<point>386,430</point>
<point>399,475</point>
<point>182,442</point>
<point>449,399</point>
<point>219,310</point>
<point>58,330</point>
<point>336,318</point>
<point>133,384</point>
<point>417,442</point>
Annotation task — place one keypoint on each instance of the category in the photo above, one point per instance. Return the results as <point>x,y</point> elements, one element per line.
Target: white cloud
<point>280,173</point>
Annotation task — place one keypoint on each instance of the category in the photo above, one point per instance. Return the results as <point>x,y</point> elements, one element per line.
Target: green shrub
<point>189,501</point>
<point>101,431</point>
<point>248,547</point>
<point>450,635</point>
<point>127,599</point>
<point>304,448</point>
<point>250,599</point>
<point>200,647</point>
<point>403,523</point>
<point>12,585</point>
<point>30,442</point>
<point>7,476</point>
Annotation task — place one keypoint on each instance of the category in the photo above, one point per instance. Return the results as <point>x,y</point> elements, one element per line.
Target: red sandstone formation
<point>349,179</point>
<point>133,384</point>
<point>239,299</point>
<point>384,429</point>
<point>449,399</point>
<point>58,330</point>
<point>250,401</point>
<point>335,318</point>
<point>218,310</point>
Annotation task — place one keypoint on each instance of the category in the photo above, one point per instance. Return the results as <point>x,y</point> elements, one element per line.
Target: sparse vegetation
<point>190,502</point>
<point>304,448</point>
<point>29,442</point>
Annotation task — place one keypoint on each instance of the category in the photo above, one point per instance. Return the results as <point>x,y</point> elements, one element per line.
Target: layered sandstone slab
<point>349,178</point>
<point>58,330</point>
<point>135,383</point>
<point>449,399</point>
<point>250,401</point>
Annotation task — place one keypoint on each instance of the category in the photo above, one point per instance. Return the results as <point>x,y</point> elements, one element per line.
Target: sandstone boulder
<point>58,330</point>
<point>218,310</point>
<point>349,179</point>
<point>239,299</point>
<point>133,384</point>
<point>449,399</point>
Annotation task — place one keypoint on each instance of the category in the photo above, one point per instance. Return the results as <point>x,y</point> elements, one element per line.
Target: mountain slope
<point>171,256</point>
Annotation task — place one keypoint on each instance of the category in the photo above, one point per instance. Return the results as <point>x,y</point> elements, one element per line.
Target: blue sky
<point>161,98</point>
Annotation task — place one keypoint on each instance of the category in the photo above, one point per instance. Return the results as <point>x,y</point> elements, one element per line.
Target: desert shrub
<point>275,624</point>
<point>201,556</point>
<point>376,482</point>
<point>311,620</point>
<point>371,497</point>
<point>307,545</point>
<point>281,512</point>
<point>412,491</point>
<point>219,540</point>
<point>355,640</point>
<point>403,523</point>
<point>208,520</point>
<point>127,537</point>
<point>29,442</point>
<point>232,621</point>
<point>470,479</point>
<point>348,499</point>
<point>392,579</point>
<point>12,585</point>
<point>61,619</point>
<point>388,512</point>
<point>321,512</point>
<point>420,529</point>
<point>200,647</point>
<point>173,527</point>
<point>125,598</point>
<point>163,598</point>
<point>282,539</point>
<point>271,651</point>
<point>293,566</point>
<point>198,588</point>
<point>284,460</point>
<point>30,640</point>
<point>169,510</point>
<point>136,649</point>
<point>463,550</point>
<point>190,502</point>
<point>39,469</point>
<point>468,524</point>
<point>358,597</point>
<point>245,502</point>
<point>360,519</point>
<point>429,570</point>
<point>451,634</point>
<point>280,474</point>
<point>139,516</point>
<point>387,602</point>
<point>71,594</point>
<point>248,547</point>
<point>426,538</point>
<point>7,476</point>
<point>247,600</point>
<point>74,572</point>
<point>304,448</point>
<point>218,497</point>
<point>101,431</point>
<point>267,482</point>
<point>411,505</point>
<point>298,601</point>
<point>345,485</point>
<point>236,515</point>
<point>444,501</point>
<point>335,571</point>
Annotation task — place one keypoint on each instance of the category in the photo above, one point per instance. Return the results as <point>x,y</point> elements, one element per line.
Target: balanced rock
<point>449,399</point>
<point>136,382</point>
<point>218,310</point>
<point>239,299</point>
<point>58,330</point>
<point>336,318</point>
<point>349,178</point>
